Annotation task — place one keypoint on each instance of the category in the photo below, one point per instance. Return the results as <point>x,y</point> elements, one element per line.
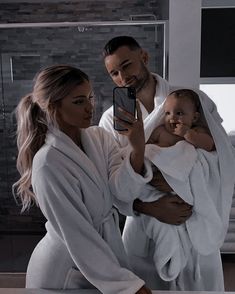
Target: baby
<point>181,122</point>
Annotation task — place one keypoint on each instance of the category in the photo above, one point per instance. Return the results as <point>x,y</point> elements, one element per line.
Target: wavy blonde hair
<point>34,113</point>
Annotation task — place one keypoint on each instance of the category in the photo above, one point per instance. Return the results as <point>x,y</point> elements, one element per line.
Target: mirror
<point>24,50</point>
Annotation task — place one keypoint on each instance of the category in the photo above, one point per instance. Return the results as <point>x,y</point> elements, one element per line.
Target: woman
<point>74,171</point>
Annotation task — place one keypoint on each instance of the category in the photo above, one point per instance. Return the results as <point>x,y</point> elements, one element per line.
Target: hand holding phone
<point>124,98</point>
<point>132,127</point>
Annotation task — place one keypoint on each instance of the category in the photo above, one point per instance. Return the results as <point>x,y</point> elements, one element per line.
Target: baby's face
<point>179,110</point>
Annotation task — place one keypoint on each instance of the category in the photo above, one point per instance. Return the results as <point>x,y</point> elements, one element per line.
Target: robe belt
<point>112,213</point>
<point>197,271</point>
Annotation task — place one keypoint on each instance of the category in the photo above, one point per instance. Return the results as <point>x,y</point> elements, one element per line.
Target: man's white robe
<point>83,246</point>
<point>199,272</point>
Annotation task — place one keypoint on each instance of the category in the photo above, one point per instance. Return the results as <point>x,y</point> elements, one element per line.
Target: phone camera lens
<point>131,92</point>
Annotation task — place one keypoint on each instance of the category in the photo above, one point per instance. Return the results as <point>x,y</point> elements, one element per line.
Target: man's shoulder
<point>107,117</point>
<point>108,112</point>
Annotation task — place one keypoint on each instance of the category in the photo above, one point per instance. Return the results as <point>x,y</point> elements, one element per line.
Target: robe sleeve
<point>61,200</point>
<point>106,122</point>
<point>125,184</point>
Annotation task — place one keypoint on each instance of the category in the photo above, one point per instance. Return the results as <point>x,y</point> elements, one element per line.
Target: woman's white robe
<point>83,245</point>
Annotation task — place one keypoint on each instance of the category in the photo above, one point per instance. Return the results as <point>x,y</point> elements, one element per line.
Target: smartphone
<point>125,98</point>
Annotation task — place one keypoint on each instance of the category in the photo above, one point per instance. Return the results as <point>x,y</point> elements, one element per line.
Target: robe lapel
<point>68,148</point>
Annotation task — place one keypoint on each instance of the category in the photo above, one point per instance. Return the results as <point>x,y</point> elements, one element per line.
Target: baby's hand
<point>181,129</point>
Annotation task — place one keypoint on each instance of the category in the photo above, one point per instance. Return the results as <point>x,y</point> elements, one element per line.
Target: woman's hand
<point>144,290</point>
<point>134,131</point>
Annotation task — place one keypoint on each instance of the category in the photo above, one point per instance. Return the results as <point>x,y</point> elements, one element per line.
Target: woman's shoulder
<point>101,137</point>
<point>98,132</point>
<point>45,156</point>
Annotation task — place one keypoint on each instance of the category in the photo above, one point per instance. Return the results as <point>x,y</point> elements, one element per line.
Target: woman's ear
<point>196,116</point>
<point>144,56</point>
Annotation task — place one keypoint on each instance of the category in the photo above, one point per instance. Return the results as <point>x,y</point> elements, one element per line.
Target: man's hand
<point>159,182</point>
<point>144,290</point>
<point>170,209</point>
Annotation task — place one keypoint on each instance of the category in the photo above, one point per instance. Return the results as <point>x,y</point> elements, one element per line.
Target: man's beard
<point>142,82</point>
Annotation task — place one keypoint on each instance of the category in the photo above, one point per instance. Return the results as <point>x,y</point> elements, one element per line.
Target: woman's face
<point>75,110</point>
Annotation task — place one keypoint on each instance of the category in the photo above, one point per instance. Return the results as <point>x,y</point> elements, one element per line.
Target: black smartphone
<point>125,98</point>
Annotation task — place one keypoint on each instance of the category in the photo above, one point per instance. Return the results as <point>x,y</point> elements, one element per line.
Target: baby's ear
<point>196,116</point>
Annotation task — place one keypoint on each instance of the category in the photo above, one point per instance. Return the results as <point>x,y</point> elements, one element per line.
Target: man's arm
<point>170,209</point>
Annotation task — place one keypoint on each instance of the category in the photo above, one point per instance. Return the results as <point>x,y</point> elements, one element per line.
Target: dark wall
<point>218,42</point>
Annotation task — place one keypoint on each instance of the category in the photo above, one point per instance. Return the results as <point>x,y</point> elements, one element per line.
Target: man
<point>126,63</point>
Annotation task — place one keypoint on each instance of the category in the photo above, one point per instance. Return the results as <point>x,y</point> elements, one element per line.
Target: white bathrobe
<point>185,257</point>
<point>106,120</point>
<point>83,246</point>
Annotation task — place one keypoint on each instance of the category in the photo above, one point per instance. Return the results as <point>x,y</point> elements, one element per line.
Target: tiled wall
<point>89,10</point>
<point>25,50</point>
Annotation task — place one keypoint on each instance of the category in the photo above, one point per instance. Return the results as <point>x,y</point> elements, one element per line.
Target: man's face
<point>128,67</point>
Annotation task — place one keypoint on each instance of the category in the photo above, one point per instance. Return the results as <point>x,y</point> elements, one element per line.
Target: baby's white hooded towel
<point>136,241</point>
<point>203,179</point>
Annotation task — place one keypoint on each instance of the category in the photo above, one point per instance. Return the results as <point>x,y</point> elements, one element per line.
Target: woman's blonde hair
<point>34,113</point>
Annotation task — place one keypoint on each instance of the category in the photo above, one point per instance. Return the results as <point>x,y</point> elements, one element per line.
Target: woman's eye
<point>84,100</point>
<point>114,74</point>
<point>92,99</point>
<point>79,101</point>
<point>180,113</point>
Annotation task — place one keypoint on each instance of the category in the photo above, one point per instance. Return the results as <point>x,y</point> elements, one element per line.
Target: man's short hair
<point>118,42</point>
